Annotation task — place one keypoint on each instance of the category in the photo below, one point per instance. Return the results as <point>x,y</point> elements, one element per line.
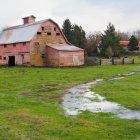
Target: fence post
<point>133,61</point>
<point>123,61</point>
<point>100,61</point>
<point>112,61</point>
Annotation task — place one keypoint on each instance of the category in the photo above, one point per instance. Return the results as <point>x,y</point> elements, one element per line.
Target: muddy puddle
<point>81,98</point>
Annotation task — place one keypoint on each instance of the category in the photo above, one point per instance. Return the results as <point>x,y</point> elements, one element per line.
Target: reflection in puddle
<point>81,98</point>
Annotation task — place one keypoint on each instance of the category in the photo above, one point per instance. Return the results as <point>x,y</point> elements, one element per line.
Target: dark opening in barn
<point>11,61</point>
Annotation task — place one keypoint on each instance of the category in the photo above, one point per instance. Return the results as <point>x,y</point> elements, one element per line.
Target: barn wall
<point>38,59</point>
<point>68,58</point>
<point>52,57</point>
<point>54,38</point>
<point>64,58</point>
<point>38,44</point>
<point>20,51</point>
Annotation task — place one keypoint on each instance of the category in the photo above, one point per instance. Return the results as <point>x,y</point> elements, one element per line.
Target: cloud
<point>92,15</point>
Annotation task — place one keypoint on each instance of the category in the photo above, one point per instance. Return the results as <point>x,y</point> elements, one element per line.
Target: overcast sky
<point>92,15</point>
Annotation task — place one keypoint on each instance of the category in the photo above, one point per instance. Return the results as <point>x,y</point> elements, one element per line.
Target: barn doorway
<point>76,61</point>
<point>11,61</point>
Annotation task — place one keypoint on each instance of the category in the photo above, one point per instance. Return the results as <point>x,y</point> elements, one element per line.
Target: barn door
<point>76,61</point>
<point>11,61</point>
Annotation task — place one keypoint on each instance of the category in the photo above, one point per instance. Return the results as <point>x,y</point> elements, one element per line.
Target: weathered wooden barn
<point>39,43</point>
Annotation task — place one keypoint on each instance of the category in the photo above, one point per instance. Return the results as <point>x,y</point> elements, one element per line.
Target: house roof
<point>65,47</point>
<point>23,33</point>
<point>126,43</point>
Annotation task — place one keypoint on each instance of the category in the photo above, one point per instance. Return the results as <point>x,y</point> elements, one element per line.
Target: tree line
<point>105,44</point>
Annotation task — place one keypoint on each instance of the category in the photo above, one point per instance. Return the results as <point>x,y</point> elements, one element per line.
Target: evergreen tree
<point>74,33</point>
<point>133,44</point>
<point>79,36</point>
<point>109,45</point>
<point>67,30</point>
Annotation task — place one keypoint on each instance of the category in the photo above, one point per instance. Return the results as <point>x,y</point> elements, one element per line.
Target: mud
<point>26,94</point>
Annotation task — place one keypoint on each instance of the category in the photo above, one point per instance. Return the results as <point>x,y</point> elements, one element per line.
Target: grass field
<point>125,91</point>
<point>30,104</point>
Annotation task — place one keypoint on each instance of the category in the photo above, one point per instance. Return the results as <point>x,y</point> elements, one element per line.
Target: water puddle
<point>121,76</point>
<point>81,98</point>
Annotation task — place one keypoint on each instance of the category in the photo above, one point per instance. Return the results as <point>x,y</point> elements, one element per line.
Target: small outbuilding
<point>64,55</point>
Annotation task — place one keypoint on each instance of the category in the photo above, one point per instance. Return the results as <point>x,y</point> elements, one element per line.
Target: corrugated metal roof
<point>66,48</point>
<point>18,34</point>
<point>23,33</point>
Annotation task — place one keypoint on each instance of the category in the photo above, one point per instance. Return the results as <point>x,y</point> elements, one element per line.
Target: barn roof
<point>65,47</point>
<point>18,34</point>
<point>23,33</point>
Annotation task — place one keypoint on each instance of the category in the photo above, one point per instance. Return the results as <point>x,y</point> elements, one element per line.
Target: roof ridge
<point>22,25</point>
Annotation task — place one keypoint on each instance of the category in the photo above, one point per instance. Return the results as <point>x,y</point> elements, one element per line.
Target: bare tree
<point>93,40</point>
<point>137,34</point>
<point>124,36</point>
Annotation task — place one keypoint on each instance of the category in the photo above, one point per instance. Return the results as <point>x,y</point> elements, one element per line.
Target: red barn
<point>39,43</point>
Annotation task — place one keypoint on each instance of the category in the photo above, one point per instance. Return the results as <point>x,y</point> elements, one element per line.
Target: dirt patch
<point>53,85</point>
<point>49,87</point>
<point>26,94</point>
<point>57,96</point>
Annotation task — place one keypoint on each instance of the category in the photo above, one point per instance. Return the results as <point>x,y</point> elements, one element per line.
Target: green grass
<point>30,104</point>
<point>125,91</point>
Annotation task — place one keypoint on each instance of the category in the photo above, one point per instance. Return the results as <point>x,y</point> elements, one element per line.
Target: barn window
<point>24,43</point>
<point>14,45</point>
<point>49,33</point>
<point>5,45</point>
<point>58,34</point>
<point>54,28</point>
<point>43,28</point>
<point>43,55</point>
<point>36,43</point>
<point>39,33</point>
<point>4,58</point>
<point>0,57</point>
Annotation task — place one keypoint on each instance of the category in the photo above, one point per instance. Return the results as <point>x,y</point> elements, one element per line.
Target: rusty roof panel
<point>22,34</point>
